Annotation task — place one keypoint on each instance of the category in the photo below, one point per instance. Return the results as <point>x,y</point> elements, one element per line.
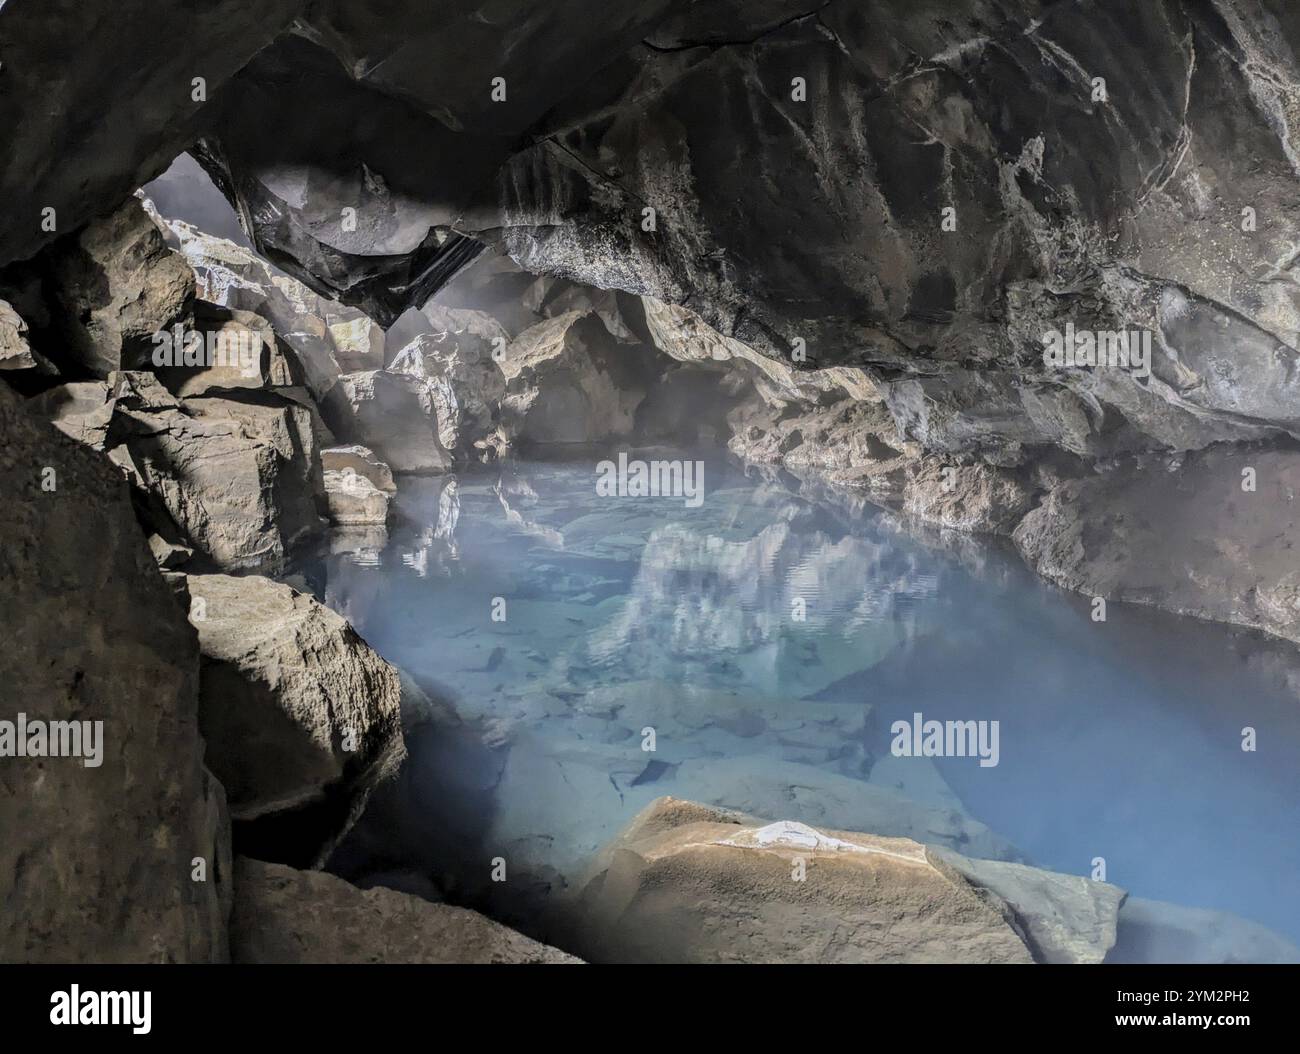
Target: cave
<point>674,481</point>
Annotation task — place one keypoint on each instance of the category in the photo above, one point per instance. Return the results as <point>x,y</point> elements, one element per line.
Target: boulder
<point>361,460</point>
<point>111,286</point>
<point>464,384</point>
<point>394,414</point>
<point>690,883</point>
<point>353,501</point>
<point>236,478</point>
<point>568,381</point>
<point>125,859</point>
<point>301,717</point>
<point>283,915</point>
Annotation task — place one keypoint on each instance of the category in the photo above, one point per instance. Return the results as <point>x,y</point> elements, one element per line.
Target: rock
<point>361,460</point>
<point>301,717</point>
<point>568,382</point>
<point>1182,534</point>
<point>97,863</point>
<point>111,287</point>
<point>689,883</point>
<point>358,342</point>
<point>287,916</point>
<point>463,380</point>
<point>975,497</point>
<point>81,410</point>
<point>81,137</point>
<point>1151,931</point>
<point>394,413</point>
<point>15,352</point>
<point>1063,918</point>
<point>240,477</point>
<point>353,501</point>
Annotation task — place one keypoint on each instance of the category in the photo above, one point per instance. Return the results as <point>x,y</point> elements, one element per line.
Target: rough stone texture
<point>394,413</point>
<point>361,460</point>
<point>110,287</point>
<point>297,710</point>
<point>81,136</point>
<point>353,501</point>
<point>283,915</point>
<point>238,477</point>
<point>1063,918</point>
<point>567,382</point>
<point>15,352</point>
<point>689,883</point>
<point>95,863</point>
<point>358,342</point>
<point>1230,558</point>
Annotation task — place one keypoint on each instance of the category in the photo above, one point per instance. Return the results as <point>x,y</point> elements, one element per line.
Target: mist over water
<point>1118,740</point>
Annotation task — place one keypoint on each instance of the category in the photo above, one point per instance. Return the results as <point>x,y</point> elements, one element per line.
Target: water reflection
<point>768,639</point>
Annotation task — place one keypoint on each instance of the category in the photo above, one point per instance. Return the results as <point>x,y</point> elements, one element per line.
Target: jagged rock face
<point>810,210</point>
<point>394,413</point>
<point>80,136</point>
<point>689,883</point>
<point>238,477</point>
<point>287,916</point>
<point>300,716</point>
<point>108,288</point>
<point>567,382</point>
<point>97,864</point>
<point>1231,558</point>
<point>457,362</point>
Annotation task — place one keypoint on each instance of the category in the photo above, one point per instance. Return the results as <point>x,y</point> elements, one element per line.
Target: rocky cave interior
<point>375,658</point>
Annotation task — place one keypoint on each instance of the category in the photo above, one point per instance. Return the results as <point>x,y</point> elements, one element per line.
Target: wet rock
<point>300,716</point>
<point>974,497</point>
<point>1062,918</point>
<point>353,501</point>
<point>689,883</point>
<point>283,915</point>
<point>111,286</point>
<point>97,863</point>
<point>1182,534</point>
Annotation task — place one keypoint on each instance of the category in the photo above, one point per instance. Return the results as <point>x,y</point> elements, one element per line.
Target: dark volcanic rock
<point>98,864</point>
<point>96,98</point>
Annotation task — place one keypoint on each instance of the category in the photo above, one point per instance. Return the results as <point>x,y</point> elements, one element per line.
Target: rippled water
<point>769,639</point>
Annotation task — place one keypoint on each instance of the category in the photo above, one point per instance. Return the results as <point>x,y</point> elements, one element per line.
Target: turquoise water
<point>763,644</point>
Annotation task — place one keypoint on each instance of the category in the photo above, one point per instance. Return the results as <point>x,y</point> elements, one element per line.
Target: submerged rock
<point>283,915</point>
<point>100,856</point>
<point>301,717</point>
